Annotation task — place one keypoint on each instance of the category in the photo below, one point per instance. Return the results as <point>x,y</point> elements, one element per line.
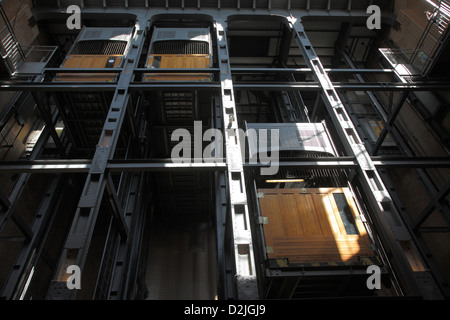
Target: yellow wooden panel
<point>311,221</point>
<point>172,61</point>
<point>319,249</point>
<point>304,225</point>
<point>323,209</point>
<point>87,62</point>
<point>288,212</point>
<point>269,207</point>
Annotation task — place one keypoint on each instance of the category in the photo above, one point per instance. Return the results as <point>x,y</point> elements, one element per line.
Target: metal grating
<point>180,47</point>
<point>305,137</point>
<point>105,47</point>
<point>178,105</point>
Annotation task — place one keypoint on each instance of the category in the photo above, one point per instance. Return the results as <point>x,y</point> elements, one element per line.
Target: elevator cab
<point>96,48</point>
<point>179,48</point>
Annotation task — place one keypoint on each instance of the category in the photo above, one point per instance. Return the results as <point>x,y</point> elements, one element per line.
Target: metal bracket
<point>263,220</point>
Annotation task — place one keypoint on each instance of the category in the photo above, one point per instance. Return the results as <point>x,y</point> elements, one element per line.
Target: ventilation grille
<point>100,47</point>
<point>180,47</point>
<point>178,105</point>
<point>166,34</point>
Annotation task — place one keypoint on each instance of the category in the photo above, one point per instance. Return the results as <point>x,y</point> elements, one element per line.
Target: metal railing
<point>423,56</point>
<point>10,49</point>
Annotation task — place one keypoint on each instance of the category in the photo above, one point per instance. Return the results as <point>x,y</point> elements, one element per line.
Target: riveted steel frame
<point>238,85</point>
<point>436,195</point>
<point>31,249</point>
<point>229,175</point>
<point>244,260</point>
<point>165,165</point>
<point>392,229</point>
<point>79,237</point>
<point>8,211</point>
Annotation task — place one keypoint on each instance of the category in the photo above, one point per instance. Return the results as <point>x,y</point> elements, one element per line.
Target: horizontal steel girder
<point>238,85</point>
<point>83,166</point>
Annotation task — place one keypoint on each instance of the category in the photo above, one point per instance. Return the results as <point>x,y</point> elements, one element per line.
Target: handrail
<point>11,31</point>
<point>437,27</point>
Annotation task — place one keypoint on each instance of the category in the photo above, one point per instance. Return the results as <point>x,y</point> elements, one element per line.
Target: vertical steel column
<point>43,104</point>
<point>421,175</point>
<point>117,210</point>
<point>124,267</point>
<point>28,258</point>
<point>408,263</point>
<point>246,280</point>
<point>8,212</point>
<point>78,241</point>
<point>220,184</point>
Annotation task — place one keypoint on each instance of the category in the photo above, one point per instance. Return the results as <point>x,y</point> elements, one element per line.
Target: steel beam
<point>389,224</point>
<point>241,85</point>
<point>390,122</point>
<point>84,166</point>
<point>422,176</point>
<point>162,165</point>
<point>307,71</point>
<point>81,70</point>
<point>78,241</point>
<point>410,162</point>
<point>435,203</point>
<point>125,263</point>
<point>215,70</point>
<point>341,42</point>
<point>246,279</point>
<point>28,256</point>
<point>176,70</point>
<point>247,85</point>
<point>56,86</point>
<point>314,86</point>
<point>225,290</point>
<point>22,180</point>
<point>46,166</point>
<point>116,208</point>
<point>42,103</point>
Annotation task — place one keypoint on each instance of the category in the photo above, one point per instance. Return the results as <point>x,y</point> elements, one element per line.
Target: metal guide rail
<point>79,237</point>
<point>246,281</point>
<point>406,256</point>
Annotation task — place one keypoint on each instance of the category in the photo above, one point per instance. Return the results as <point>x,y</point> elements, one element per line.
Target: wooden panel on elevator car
<point>313,225</point>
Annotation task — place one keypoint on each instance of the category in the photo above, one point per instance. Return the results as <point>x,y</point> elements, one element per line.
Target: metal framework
<point>403,246</point>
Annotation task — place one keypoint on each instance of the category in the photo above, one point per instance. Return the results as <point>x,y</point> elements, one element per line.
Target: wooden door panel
<point>305,225</point>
